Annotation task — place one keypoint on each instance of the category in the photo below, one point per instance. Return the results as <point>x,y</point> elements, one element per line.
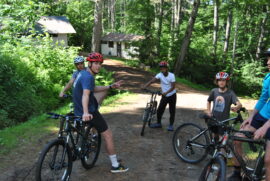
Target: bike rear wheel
<point>55,162</point>
<point>215,170</point>
<point>186,146</point>
<point>91,148</point>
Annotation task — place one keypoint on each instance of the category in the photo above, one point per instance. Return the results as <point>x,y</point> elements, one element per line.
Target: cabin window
<point>110,44</point>
<point>54,35</point>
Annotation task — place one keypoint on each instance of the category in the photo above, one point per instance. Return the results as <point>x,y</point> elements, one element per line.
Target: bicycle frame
<point>255,174</point>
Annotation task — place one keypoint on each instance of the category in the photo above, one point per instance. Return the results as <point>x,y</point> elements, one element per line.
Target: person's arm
<point>85,101</point>
<point>208,108</point>
<point>171,89</point>
<point>67,87</point>
<point>112,86</point>
<point>209,102</point>
<point>149,83</point>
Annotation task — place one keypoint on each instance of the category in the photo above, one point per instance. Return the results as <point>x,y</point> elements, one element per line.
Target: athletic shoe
<point>170,128</point>
<point>155,125</point>
<point>119,169</point>
<point>236,176</point>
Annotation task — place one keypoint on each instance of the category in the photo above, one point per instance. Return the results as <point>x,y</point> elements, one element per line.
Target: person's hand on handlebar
<point>235,109</point>
<point>246,122</point>
<point>87,117</point>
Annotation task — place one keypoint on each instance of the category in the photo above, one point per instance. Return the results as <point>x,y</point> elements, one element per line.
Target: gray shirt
<point>222,103</point>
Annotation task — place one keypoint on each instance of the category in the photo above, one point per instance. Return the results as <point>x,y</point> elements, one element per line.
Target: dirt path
<point>150,158</point>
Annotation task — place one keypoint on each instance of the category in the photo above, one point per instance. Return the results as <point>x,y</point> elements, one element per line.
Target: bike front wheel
<point>55,162</point>
<point>91,148</point>
<point>189,143</point>
<point>145,119</point>
<point>215,170</point>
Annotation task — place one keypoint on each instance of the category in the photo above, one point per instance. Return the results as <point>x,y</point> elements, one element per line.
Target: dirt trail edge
<point>150,158</point>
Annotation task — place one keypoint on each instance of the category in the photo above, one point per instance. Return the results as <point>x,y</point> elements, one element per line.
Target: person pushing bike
<point>258,123</point>
<point>167,81</point>
<point>86,105</point>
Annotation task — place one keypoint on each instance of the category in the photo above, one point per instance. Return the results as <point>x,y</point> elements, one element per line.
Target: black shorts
<point>98,122</point>
<point>258,121</point>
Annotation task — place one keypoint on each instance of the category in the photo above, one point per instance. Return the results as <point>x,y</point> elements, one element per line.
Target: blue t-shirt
<point>84,80</point>
<point>263,105</point>
<point>76,73</point>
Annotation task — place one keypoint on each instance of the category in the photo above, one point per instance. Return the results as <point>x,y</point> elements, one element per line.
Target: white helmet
<point>78,59</point>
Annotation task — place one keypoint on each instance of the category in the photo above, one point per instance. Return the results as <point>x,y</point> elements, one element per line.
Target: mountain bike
<point>150,109</point>
<point>212,172</point>
<point>193,143</point>
<point>76,140</point>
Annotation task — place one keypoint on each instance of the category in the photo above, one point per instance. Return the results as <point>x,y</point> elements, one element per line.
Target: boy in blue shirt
<point>86,105</point>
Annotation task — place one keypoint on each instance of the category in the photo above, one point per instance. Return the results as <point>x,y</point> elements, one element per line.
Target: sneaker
<point>170,128</point>
<point>155,125</point>
<point>119,169</point>
<point>236,176</point>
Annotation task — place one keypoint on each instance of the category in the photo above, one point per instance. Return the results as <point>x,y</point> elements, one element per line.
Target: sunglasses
<point>80,63</point>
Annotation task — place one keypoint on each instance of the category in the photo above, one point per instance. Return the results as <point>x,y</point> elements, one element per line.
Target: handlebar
<point>57,116</point>
<point>152,92</point>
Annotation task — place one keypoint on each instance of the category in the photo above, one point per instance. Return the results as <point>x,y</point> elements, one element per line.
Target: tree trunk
<point>175,22</point>
<point>160,26</point>
<point>187,37</point>
<point>97,29</point>
<point>112,9</point>
<point>178,11</point>
<point>228,31</point>
<point>262,33</point>
<point>234,49</point>
<point>215,33</point>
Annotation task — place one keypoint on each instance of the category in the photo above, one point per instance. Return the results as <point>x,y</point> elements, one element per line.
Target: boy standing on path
<point>167,81</point>
<point>222,99</point>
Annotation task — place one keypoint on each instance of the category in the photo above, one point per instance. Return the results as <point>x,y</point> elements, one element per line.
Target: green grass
<point>40,126</point>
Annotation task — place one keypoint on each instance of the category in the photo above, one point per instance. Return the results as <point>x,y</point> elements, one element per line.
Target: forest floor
<point>149,158</point>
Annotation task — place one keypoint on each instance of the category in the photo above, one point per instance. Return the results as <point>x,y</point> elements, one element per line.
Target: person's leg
<point>161,108</point>
<point>100,124</point>
<point>267,160</point>
<point>172,107</point>
<point>236,175</point>
<point>100,96</point>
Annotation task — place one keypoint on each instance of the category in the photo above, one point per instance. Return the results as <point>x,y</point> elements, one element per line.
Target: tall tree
<point>97,29</point>
<point>187,37</point>
<point>262,33</point>
<point>112,14</point>
<point>175,22</point>
<point>228,31</point>
<point>234,48</point>
<point>160,25</point>
<point>215,32</point>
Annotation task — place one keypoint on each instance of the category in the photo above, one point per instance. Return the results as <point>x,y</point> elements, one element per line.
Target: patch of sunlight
<point>137,125</point>
<point>52,129</point>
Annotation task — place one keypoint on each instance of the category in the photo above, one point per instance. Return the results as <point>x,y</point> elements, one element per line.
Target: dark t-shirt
<point>222,103</point>
<point>84,80</point>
